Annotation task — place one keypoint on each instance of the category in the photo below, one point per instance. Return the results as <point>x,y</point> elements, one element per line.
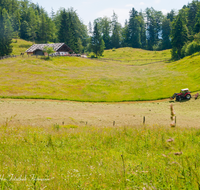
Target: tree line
<point>149,29</point>
<point>26,20</point>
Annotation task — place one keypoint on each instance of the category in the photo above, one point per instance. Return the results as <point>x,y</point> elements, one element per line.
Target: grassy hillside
<point>119,76</point>
<point>20,46</point>
<point>190,67</point>
<point>132,54</point>
<point>99,158</point>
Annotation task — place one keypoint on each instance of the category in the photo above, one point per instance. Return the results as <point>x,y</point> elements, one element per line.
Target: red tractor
<point>184,94</point>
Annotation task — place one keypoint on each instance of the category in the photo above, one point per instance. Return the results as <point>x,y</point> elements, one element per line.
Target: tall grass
<point>72,157</point>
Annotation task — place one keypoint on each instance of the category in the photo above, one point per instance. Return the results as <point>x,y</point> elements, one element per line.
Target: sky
<point>89,10</point>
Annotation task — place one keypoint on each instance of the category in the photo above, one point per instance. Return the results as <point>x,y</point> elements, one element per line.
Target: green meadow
<point>20,46</point>
<point>139,75</point>
<point>72,157</point>
<point>89,157</point>
<point>128,54</point>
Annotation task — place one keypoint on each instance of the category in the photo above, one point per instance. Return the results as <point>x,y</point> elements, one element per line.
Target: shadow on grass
<point>24,46</point>
<point>170,61</point>
<point>46,58</point>
<point>182,101</point>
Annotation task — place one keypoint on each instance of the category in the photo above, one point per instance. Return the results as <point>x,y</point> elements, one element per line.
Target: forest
<point>149,29</point>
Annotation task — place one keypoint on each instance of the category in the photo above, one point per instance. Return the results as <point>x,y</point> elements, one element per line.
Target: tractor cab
<point>184,92</point>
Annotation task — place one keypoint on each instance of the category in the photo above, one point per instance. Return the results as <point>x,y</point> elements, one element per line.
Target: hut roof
<point>55,46</point>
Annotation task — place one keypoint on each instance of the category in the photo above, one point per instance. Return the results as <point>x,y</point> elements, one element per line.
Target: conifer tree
<point>134,29</point>
<point>66,32</point>
<point>5,33</point>
<point>97,43</point>
<point>171,15</point>
<point>125,35</point>
<point>116,32</point>
<point>52,14</point>
<point>179,36</point>
<point>42,29</point>
<point>151,28</point>
<point>106,30</point>
<point>191,15</point>
<point>166,30</point>
<point>142,31</point>
<point>72,35</point>
<point>32,26</point>
<point>16,23</point>
<point>64,25</point>
<point>24,30</point>
<point>24,19</point>
<point>90,28</point>
<point>197,21</point>
<point>154,20</point>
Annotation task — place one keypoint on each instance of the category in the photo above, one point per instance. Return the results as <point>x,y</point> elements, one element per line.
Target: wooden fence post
<point>144,120</point>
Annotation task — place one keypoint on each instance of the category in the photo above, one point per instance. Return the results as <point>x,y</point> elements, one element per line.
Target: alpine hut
<point>37,49</point>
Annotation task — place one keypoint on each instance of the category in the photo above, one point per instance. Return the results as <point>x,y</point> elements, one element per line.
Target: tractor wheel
<point>178,98</point>
<point>188,96</point>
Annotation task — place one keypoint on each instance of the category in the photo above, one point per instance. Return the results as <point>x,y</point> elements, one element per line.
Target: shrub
<point>48,50</point>
<point>192,48</point>
<point>157,47</point>
<point>183,50</point>
<point>93,56</point>
<point>174,54</point>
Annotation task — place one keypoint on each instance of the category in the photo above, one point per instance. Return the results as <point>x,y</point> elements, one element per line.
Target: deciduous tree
<point>48,50</point>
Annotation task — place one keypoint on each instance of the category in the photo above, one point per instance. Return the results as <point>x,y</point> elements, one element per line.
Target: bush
<point>192,48</point>
<point>157,47</point>
<point>183,50</point>
<point>174,54</point>
<point>93,56</point>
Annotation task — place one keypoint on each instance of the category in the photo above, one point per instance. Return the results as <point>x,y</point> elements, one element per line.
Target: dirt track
<point>48,112</point>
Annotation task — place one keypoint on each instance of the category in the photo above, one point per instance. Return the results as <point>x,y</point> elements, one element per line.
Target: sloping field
<point>135,55</point>
<point>20,46</point>
<point>190,67</point>
<point>109,79</point>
